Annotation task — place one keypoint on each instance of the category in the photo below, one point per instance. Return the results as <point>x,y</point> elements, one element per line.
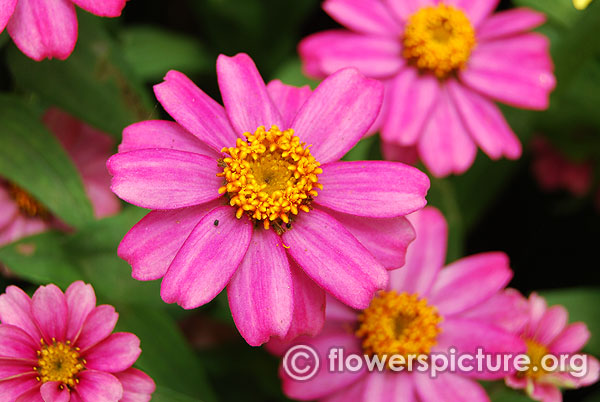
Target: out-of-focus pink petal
<point>537,309</point>
<point>572,339</point>
<point>491,71</point>
<point>163,134</point>
<point>485,123</point>
<point>245,95</point>
<point>15,309</point>
<point>8,206</point>
<point>260,292</point>
<point>448,387</point>
<point>425,256</point>
<point>81,300</point>
<point>354,392</point>
<point>10,367</point>
<point>137,385</point>
<point>445,146</point>
<point>411,99</point>
<point>405,8</point>
<point>324,382</point>
<point>17,344</point>
<point>551,324</point>
<point>97,386</point>
<point>288,99</point>
<point>375,189</point>
<point>12,388</point>
<point>208,259</point>
<point>326,52</point>
<point>470,281</point>
<point>509,22</point>
<point>98,326</point>
<point>387,239</point>
<point>399,153</point>
<point>389,386</point>
<point>6,11</point>
<point>334,259</point>
<point>195,111</point>
<point>337,312</point>
<point>22,226</point>
<point>546,393</point>
<point>508,310</point>
<point>167,228</point>
<point>370,17</point>
<point>476,10</point>
<point>49,308</point>
<point>116,353</point>
<point>338,114</point>
<point>54,391</point>
<point>104,8</point>
<point>44,28</point>
<point>164,178</point>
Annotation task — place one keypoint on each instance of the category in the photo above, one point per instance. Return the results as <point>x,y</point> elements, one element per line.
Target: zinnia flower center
<point>28,205</point>
<point>271,177</point>
<point>439,39</point>
<point>59,362</point>
<point>398,324</point>
<point>536,352</point>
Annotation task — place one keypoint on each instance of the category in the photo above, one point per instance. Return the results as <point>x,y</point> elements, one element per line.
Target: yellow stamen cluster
<point>439,39</point>
<point>398,324</point>
<point>271,176</point>
<point>536,352</point>
<point>28,205</point>
<point>59,362</point>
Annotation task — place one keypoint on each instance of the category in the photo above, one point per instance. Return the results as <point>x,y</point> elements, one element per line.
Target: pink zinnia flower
<point>546,332</point>
<point>444,63</point>
<point>60,347</point>
<point>425,309</point>
<point>218,178</point>
<point>22,215</point>
<point>48,28</point>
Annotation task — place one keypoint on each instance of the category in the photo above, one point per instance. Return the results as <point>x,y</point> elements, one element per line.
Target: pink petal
<point>245,95</point>
<point>448,387</point>
<point>10,367</point>
<point>537,309</point>
<point>399,153</point>
<point>98,326</point>
<point>386,239</point>
<point>49,308</point>
<point>44,28</point>
<point>470,281</point>
<point>324,382</point>
<point>116,353</point>
<point>326,52</point>
<point>571,340</point>
<point>491,71</point>
<point>6,11</point>
<point>288,99</point>
<point>425,256</point>
<point>22,226</point>
<point>389,386</point>
<point>51,391</point>
<point>104,201</point>
<point>365,17</point>
<point>81,300</point>
<point>169,229</point>
<point>334,259</point>
<point>509,22</point>
<point>104,8</point>
<point>16,343</point>
<point>405,8</point>
<point>137,385</point>
<point>8,207</point>
<point>15,309</point>
<point>551,324</point>
<point>33,395</point>
<point>163,134</point>
<point>485,123</point>
<point>260,292</point>
<point>411,99</point>
<point>195,111</point>
<point>354,392</point>
<point>476,10</point>
<point>338,114</point>
<point>445,146</point>
<point>375,189</point>
<point>508,310</point>
<point>96,386</point>
<point>208,259</point>
<point>337,312</point>
<point>11,389</point>
<point>164,179</point>
<point>546,393</point>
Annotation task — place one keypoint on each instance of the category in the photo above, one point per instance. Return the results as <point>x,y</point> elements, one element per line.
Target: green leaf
<point>291,73</point>
<point>498,392</point>
<point>164,394</point>
<point>93,84</point>
<point>31,157</point>
<point>561,11</point>
<point>152,52</point>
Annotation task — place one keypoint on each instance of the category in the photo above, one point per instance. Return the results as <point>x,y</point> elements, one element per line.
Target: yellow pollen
<point>536,352</point>
<point>59,362</point>
<point>398,324</point>
<point>271,177</point>
<point>28,205</point>
<point>439,39</point>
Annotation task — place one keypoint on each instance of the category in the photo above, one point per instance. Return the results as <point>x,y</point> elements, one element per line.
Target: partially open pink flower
<point>219,177</point>
<point>22,215</point>
<point>57,347</point>
<point>444,63</point>
<point>426,309</point>
<point>48,28</point>
<point>546,332</point>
